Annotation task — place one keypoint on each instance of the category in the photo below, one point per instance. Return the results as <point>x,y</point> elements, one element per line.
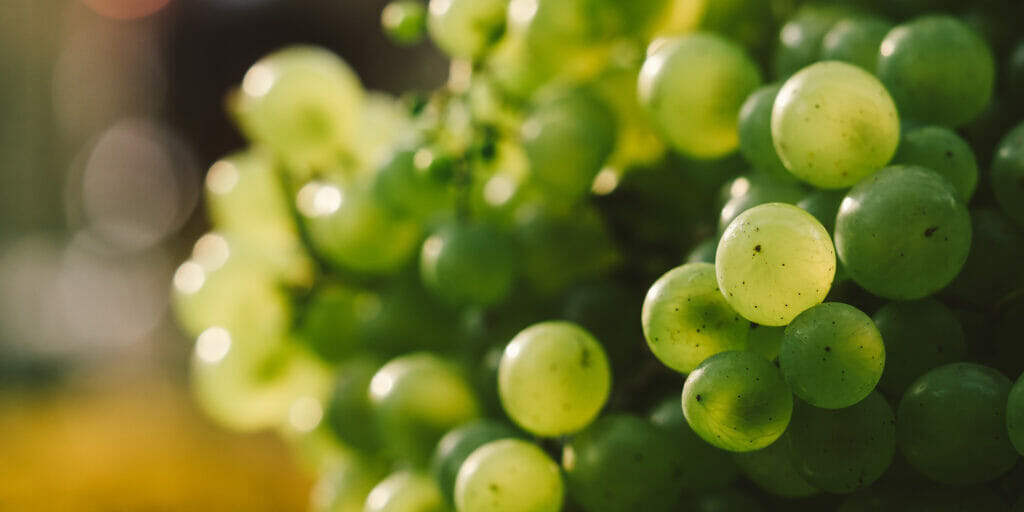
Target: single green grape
<point>772,468</point>
<point>773,262</point>
<point>700,466</point>
<point>991,271</point>
<point>404,21</point>
<point>349,414</point>
<point>903,232</point>
<point>686,319</point>
<point>330,322</point>
<point>466,28</point>
<point>737,401</point>
<point>833,124</point>
<point>303,102</point>
<point>693,87</point>
<point>855,40</point>
<point>553,378</point>
<point>509,475</point>
<point>416,398</point>
<point>620,464</point>
<point>937,69</point>
<point>800,38</point>
<point>919,335</point>
<point>755,132</point>
<point>1007,174</point>
<point>832,355</point>
<point>405,491</point>
<point>469,264</point>
<point>402,317</point>
<point>567,139</point>
<point>405,189</point>
<point>943,151</point>
<point>1015,415</point>
<point>846,449</point>
<point>951,424</point>
<point>453,449</point>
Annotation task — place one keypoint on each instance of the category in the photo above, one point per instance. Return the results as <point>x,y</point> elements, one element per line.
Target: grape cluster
<point>811,213</point>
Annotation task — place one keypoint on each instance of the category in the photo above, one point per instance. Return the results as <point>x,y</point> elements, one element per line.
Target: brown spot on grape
<point>698,398</point>
<point>949,154</point>
<point>757,248</point>
<point>928,232</point>
<point>828,349</point>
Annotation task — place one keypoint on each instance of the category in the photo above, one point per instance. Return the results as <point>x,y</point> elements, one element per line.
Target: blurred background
<point>110,113</point>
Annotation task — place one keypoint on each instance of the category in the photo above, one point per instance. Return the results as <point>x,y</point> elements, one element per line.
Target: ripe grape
<point>465,28</point>
<point>509,475</point>
<point>943,151</point>
<point>773,262</point>
<point>453,449</point>
<point>919,335</point>
<point>405,491</point>
<point>855,40</point>
<point>553,378</point>
<point>469,264</point>
<point>755,133</point>
<point>772,468</point>
<point>1008,174</point>
<point>737,401</point>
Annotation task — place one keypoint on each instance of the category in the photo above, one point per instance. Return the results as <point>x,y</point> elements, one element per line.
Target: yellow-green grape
<point>686,319</point>
<point>773,262</point>
<point>349,228</point>
<point>832,355</point>
<point>303,102</point>
<point>637,143</point>
<point>416,398</point>
<point>772,468</point>
<point>466,28</point>
<point>937,69</point>
<point>855,40</point>
<point>943,151</point>
<point>846,449</point>
<point>404,21</point>
<point>405,491</point>
<point>509,475</point>
<point>1008,174</point>
<point>469,264</point>
<point>1015,415</point>
<point>248,388</point>
<point>951,424</point>
<point>903,232</point>
<point>693,87</point>
<point>833,124</point>
<point>737,401</point>
<point>458,444</point>
<point>553,378</point>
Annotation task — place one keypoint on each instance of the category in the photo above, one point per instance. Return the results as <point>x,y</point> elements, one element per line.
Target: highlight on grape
<point>642,255</point>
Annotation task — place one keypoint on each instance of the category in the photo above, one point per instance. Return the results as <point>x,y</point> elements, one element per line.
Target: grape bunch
<point>633,256</point>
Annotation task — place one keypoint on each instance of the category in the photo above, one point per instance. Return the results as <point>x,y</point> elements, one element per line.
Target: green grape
<point>303,102</point>
<point>937,70</point>
<point>832,355</point>
<point>843,450</point>
<point>801,37</point>
<point>405,491</point>
<point>509,475</point>
<point>737,401</point>
<point>1015,415</point>
<point>855,40</point>
<point>833,124</point>
<point>407,190</point>
<point>560,249</point>
<point>453,449</point>
<point>350,229</point>
<point>755,133</point>
<point>700,466</point>
<point>344,485</point>
<point>404,21</point>
<point>416,398</point>
<point>686,319</point>
<point>553,378</point>
<point>919,335</point>
<point>943,151</point>
<point>952,424</point>
<point>636,141</point>
<point>903,233</point>
<point>824,205</point>
<point>1008,174</point>
<point>567,138</point>
<point>772,469</point>
<point>991,271</point>
<point>774,261</point>
<point>402,317</point>
<point>466,28</point>
<point>251,389</point>
<point>349,414</point>
<point>693,87</point>
<point>619,463</point>
<point>330,322</point>
<point>469,264</point>
<point>749,191</point>
<point>608,310</point>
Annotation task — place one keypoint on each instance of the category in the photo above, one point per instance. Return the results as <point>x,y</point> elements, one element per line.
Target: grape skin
<point>509,475</point>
